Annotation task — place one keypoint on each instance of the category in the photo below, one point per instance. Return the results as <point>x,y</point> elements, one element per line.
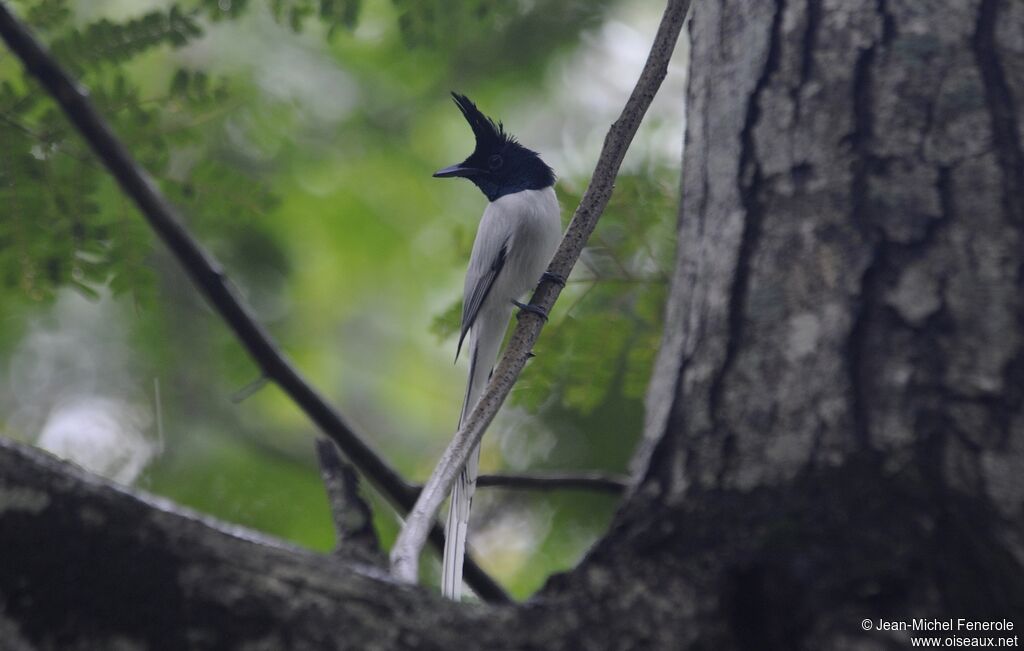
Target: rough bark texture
<point>838,399</point>
<point>835,425</point>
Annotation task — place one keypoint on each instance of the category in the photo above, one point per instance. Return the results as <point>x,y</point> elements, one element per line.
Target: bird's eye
<point>495,161</point>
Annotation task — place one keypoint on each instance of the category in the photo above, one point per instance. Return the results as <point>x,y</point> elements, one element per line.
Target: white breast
<point>531,219</point>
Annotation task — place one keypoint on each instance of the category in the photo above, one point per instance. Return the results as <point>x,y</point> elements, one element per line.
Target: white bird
<point>518,234</point>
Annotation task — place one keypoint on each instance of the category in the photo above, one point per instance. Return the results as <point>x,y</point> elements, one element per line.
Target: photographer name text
<point>925,624</point>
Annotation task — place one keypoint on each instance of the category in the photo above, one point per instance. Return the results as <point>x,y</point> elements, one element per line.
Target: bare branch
<point>249,390</point>
<point>211,280</point>
<point>586,481</point>
<point>353,520</point>
<point>405,553</point>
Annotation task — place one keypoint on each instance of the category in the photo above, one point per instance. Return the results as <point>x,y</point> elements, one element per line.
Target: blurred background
<point>297,139</point>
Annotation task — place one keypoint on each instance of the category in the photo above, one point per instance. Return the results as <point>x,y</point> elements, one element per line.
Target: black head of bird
<point>499,165</point>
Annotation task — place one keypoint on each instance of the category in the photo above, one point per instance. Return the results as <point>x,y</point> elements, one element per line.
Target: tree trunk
<point>835,426</point>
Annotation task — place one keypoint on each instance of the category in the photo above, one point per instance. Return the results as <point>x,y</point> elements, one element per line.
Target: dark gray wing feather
<point>475,298</point>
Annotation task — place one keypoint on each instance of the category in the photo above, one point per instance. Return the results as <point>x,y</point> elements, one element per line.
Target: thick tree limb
<point>91,565</point>
<point>211,280</point>
<point>405,553</point>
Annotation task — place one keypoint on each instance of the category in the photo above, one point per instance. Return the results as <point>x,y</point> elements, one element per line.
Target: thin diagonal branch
<point>405,554</point>
<point>211,280</point>
<point>585,481</point>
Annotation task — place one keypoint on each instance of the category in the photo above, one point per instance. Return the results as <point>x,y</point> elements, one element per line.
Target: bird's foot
<point>558,279</point>
<point>531,308</point>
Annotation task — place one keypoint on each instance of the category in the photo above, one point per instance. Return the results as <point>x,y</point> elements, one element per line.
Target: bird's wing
<point>487,261</point>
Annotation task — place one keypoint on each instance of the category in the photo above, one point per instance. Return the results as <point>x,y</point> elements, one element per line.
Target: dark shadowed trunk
<point>835,425</point>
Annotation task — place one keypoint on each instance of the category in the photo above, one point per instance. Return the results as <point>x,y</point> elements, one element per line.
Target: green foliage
<point>428,22</point>
<point>66,225</point>
<point>333,14</point>
<point>218,10</point>
<point>447,323</point>
<point>48,14</point>
<point>105,41</point>
<point>194,88</point>
<point>54,233</point>
<point>607,325</point>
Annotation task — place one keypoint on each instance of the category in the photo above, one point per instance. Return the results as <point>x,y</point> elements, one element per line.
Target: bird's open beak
<point>457,170</point>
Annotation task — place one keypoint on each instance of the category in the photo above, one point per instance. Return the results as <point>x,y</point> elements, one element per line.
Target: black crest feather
<point>499,165</point>
<point>489,134</point>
